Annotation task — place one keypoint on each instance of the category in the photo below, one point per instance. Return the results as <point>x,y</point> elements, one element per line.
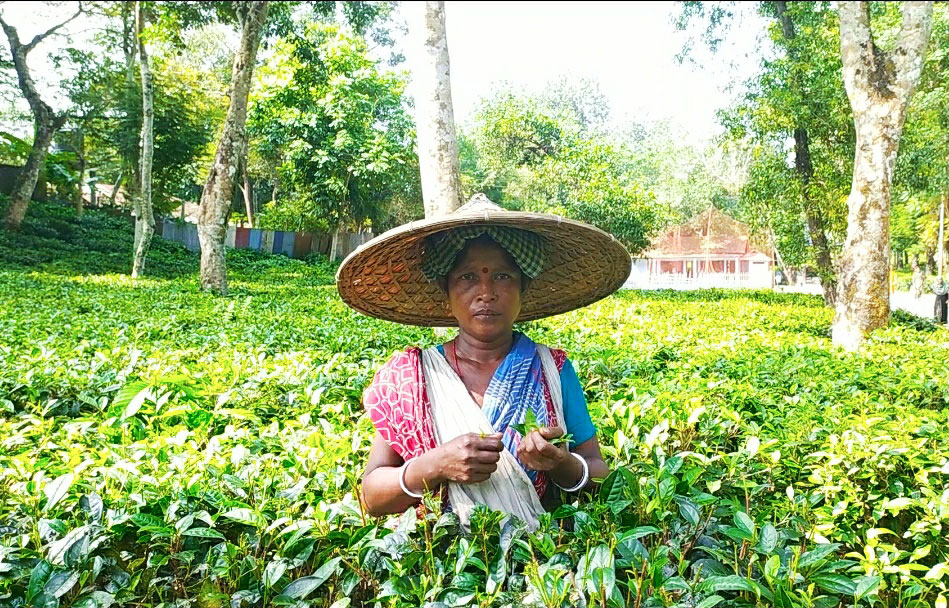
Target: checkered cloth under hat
<point>527,248</point>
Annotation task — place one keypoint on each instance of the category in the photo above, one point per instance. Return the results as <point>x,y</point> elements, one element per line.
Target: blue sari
<point>517,386</point>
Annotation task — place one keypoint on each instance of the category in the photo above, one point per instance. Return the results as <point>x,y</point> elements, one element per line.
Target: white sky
<point>628,48</point>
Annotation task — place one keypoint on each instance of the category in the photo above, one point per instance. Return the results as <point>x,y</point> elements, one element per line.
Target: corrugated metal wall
<point>291,244</point>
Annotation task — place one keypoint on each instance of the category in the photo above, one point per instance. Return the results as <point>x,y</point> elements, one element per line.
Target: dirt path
<point>902,300</point>
<point>923,307</point>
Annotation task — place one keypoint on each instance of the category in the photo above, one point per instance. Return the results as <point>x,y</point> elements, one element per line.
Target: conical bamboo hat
<point>383,278</point>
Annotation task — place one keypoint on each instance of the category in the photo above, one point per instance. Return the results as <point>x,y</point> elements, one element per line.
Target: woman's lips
<point>486,313</point>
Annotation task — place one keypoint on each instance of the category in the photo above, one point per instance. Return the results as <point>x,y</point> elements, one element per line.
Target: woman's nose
<point>486,289</point>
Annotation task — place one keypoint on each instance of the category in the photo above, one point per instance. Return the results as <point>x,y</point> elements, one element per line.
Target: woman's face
<point>484,289</point>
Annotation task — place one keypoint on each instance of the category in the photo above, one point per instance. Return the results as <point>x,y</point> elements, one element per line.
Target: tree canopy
<point>334,125</point>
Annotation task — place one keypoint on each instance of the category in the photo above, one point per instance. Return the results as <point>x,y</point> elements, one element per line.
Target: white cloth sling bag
<point>455,413</point>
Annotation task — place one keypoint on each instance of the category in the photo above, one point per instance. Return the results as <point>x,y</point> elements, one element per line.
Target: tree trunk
<point>81,153</point>
<point>247,190</point>
<point>219,189</point>
<point>941,240</point>
<point>919,281</point>
<point>45,124</point>
<point>145,220</point>
<point>879,86</point>
<point>25,182</point>
<point>434,117</point>
<point>773,242</point>
<point>805,170</point>
<point>132,187</point>
<point>131,155</point>
<point>334,244</point>
<point>814,217</point>
<point>115,188</point>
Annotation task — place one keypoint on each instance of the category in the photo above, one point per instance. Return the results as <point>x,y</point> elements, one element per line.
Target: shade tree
<point>880,80</point>
<point>46,121</point>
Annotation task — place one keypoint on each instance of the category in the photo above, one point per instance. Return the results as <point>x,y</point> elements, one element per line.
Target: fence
<point>702,281</point>
<point>291,244</point>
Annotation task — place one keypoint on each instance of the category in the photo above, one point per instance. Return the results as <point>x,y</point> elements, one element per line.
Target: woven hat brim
<point>383,277</point>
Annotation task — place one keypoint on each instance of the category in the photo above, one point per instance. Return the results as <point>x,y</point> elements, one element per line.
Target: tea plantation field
<point>164,447</point>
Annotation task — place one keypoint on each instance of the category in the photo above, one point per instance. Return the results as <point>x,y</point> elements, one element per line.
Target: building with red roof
<point>710,250</point>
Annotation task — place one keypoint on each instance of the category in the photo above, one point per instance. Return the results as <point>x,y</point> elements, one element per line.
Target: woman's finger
<point>490,443</point>
<point>544,447</point>
<point>549,450</point>
<point>484,468</point>
<point>551,432</point>
<point>539,463</point>
<point>487,457</point>
<point>536,440</point>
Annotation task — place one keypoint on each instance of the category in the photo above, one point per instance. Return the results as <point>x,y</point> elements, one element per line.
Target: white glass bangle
<point>402,485</point>
<point>583,478</point>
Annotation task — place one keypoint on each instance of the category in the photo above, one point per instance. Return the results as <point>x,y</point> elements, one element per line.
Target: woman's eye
<point>468,276</point>
<point>503,276</point>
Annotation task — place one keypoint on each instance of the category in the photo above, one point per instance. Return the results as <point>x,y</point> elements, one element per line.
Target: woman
<point>445,417</point>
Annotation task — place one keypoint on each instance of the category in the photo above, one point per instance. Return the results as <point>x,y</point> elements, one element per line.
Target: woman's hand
<point>538,453</point>
<point>469,458</point>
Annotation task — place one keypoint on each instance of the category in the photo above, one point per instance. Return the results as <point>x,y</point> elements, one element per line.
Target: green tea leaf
<point>203,533</point>
<point>562,440</point>
<point>613,488</point>
<point>865,586</point>
<point>91,504</point>
<point>128,392</point>
<point>274,572</point>
<point>937,572</point>
<point>689,511</point>
<point>96,599</point>
<point>61,583</point>
<point>527,425</point>
<point>303,587</point>
<point>897,504</point>
<point>497,573</point>
<point>56,490</point>
<point>816,555</point>
<point>135,403</point>
<point>44,600</point>
<point>745,523</point>
<point>676,583</point>
<point>57,551</point>
<point>640,532</point>
<point>672,465</point>
<point>38,577</point>
<point>836,583</point>
<point>769,538</point>
<point>730,583</point>
<point>245,516</point>
<point>710,601</point>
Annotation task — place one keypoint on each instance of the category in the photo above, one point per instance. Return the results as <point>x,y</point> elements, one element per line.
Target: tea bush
<point>165,447</point>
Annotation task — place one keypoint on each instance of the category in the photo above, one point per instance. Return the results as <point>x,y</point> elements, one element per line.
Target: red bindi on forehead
<point>484,270</point>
